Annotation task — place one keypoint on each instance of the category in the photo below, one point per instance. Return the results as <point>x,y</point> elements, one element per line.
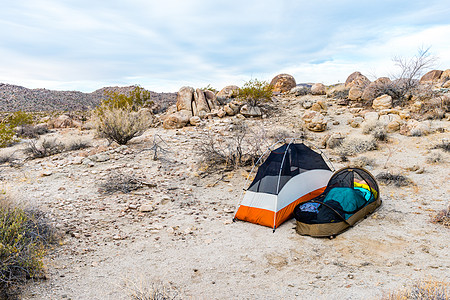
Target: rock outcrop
<point>432,76</point>
<point>283,83</point>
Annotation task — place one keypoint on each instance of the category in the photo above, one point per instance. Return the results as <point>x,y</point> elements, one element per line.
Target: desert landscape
<point>153,218</point>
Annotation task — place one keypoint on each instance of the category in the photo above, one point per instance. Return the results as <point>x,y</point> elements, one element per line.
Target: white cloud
<point>163,45</point>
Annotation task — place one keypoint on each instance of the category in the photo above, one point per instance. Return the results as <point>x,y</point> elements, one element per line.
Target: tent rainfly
<point>292,173</point>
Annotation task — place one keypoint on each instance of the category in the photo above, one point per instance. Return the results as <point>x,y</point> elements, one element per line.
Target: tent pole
<point>278,184</point>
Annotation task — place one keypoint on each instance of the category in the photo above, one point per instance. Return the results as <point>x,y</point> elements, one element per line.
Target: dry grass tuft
<point>393,179</point>
<point>435,157</point>
<point>353,146</point>
<point>118,182</point>
<point>424,290</point>
<point>45,149</point>
<point>445,145</point>
<point>442,217</point>
<point>362,162</point>
<point>146,291</point>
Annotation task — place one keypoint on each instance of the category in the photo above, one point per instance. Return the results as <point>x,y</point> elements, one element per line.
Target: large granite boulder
<point>382,102</point>
<point>357,79</point>
<point>228,92</point>
<point>375,89</point>
<point>185,96</point>
<point>432,76</point>
<point>283,83</point>
<point>318,89</point>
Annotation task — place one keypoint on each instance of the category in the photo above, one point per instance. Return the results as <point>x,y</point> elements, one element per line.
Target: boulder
<point>250,111</point>
<point>212,99</point>
<point>356,122</point>
<point>357,79</point>
<point>228,92</point>
<point>201,103</point>
<point>375,89</point>
<point>415,128</point>
<point>446,84</point>
<point>63,121</point>
<point>185,96</point>
<point>371,116</point>
<point>221,113</point>
<point>445,76</point>
<point>177,120</point>
<point>283,83</point>
<point>314,121</point>
<point>355,93</point>
<point>318,89</point>
<point>382,102</point>
<point>431,76</point>
<point>195,120</point>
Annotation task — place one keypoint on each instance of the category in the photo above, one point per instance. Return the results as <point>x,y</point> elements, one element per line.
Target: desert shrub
<point>77,145</point>
<point>445,145</point>
<point>352,146</point>
<point>19,118</point>
<point>377,129</point>
<point>135,99</point>
<point>119,182</point>
<point>442,217</point>
<point>120,125</point>
<point>210,88</point>
<point>30,131</point>
<point>25,235</point>
<point>363,162</point>
<point>254,92</point>
<point>410,72</point>
<point>435,107</point>
<point>242,147</point>
<point>7,158</point>
<point>393,179</point>
<point>145,291</point>
<point>434,157</point>
<point>45,149</point>
<point>6,135</point>
<point>423,290</point>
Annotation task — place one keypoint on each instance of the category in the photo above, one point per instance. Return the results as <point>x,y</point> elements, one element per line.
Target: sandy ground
<point>188,243</point>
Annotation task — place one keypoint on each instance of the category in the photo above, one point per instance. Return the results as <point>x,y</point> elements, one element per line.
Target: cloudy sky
<point>164,45</point>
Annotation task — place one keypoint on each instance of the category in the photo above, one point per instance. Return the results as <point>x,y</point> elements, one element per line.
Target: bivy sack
<point>351,194</point>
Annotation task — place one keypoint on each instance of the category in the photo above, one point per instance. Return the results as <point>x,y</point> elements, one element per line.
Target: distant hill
<point>14,98</point>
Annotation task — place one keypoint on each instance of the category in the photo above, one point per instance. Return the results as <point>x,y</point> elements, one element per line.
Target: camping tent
<point>292,173</point>
<point>350,195</point>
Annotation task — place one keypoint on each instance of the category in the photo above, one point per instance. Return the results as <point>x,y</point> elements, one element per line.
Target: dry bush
<point>352,146</point>
<point>377,129</point>
<point>362,162</point>
<point>45,149</point>
<point>121,124</point>
<point>30,131</point>
<point>445,145</point>
<point>393,179</point>
<point>7,158</point>
<point>145,291</point>
<point>442,217</point>
<point>435,107</point>
<point>424,290</point>
<point>435,157</point>
<point>119,182</point>
<point>78,145</point>
<point>242,147</point>
<point>25,236</point>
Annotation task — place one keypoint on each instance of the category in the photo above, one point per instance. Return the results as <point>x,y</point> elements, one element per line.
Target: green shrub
<point>24,238</point>
<point>136,99</point>
<point>254,92</point>
<point>6,135</point>
<point>120,117</point>
<point>19,118</point>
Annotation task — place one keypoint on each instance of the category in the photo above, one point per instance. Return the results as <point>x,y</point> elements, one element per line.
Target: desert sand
<point>178,232</point>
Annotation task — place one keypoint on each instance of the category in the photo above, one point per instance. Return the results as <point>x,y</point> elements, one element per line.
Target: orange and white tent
<point>292,173</point>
